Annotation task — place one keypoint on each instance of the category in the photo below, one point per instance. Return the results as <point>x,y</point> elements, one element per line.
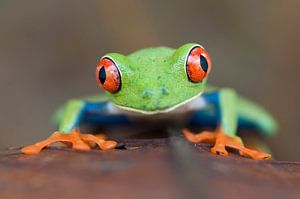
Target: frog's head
<point>154,80</point>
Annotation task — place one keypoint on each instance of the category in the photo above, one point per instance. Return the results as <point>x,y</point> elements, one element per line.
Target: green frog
<point>158,84</point>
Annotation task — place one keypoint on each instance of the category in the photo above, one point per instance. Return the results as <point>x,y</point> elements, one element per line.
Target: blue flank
<point>210,117</point>
<point>207,118</point>
<point>95,112</point>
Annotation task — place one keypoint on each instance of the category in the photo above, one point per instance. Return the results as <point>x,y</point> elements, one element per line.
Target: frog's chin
<point>174,108</point>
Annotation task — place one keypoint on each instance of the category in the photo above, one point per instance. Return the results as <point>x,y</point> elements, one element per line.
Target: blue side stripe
<point>97,113</point>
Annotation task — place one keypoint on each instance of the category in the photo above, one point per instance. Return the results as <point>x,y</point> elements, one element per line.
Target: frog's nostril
<point>165,90</point>
<point>147,94</point>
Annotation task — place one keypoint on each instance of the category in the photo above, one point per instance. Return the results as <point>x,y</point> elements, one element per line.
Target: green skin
<point>154,81</point>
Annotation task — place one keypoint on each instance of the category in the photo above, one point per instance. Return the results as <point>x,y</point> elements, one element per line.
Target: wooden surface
<point>156,168</point>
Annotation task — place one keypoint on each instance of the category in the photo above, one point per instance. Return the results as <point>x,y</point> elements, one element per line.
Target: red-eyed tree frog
<point>160,84</point>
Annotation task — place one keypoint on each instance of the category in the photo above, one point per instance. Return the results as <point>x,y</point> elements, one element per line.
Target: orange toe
<point>108,145</point>
<point>103,144</point>
<point>256,155</point>
<point>31,150</point>
<point>189,135</point>
<point>206,137</point>
<point>219,150</point>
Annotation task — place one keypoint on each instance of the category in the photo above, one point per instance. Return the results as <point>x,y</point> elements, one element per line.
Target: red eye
<point>108,75</point>
<point>198,64</point>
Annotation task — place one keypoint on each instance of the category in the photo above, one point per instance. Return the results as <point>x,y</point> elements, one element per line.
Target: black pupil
<point>102,75</point>
<point>203,63</point>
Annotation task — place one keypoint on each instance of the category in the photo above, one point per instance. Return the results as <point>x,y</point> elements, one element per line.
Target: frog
<point>157,84</point>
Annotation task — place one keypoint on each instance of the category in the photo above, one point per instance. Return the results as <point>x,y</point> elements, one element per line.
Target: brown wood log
<point>154,168</point>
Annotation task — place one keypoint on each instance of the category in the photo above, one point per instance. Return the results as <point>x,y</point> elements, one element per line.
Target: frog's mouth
<point>190,104</point>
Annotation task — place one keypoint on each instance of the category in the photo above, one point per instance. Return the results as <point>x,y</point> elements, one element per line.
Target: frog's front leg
<point>224,102</point>
<point>74,112</point>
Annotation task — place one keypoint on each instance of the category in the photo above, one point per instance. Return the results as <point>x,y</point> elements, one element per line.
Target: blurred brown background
<point>49,49</point>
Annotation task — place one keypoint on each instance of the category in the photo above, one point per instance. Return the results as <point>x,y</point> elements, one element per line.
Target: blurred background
<point>49,50</point>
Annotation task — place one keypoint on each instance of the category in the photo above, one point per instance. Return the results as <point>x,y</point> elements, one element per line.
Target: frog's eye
<point>108,75</point>
<point>198,64</point>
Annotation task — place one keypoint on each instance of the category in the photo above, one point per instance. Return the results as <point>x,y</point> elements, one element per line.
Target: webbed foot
<point>221,141</point>
<point>77,140</point>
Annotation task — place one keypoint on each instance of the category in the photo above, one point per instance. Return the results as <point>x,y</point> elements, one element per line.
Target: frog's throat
<point>159,110</point>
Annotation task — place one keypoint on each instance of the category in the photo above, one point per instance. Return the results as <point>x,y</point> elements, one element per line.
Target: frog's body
<point>159,83</point>
<point>198,112</point>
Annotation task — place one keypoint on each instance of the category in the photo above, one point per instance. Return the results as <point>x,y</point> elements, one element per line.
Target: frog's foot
<point>78,141</point>
<point>221,141</point>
